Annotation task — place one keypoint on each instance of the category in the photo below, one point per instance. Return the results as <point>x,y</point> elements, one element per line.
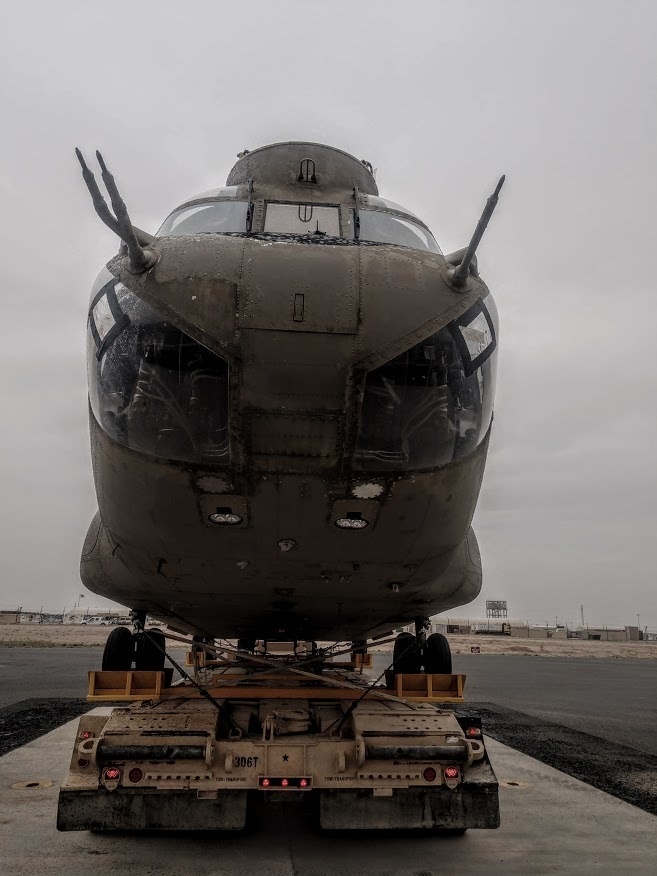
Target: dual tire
<point>409,658</point>
<point>123,648</point>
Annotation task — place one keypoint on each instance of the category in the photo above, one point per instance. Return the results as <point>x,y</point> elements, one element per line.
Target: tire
<point>119,650</point>
<point>147,655</point>
<point>407,656</point>
<point>246,645</point>
<point>437,655</point>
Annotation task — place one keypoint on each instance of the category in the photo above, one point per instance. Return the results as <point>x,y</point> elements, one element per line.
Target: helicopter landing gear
<point>407,654</point>
<point>149,651</point>
<point>119,650</point>
<point>123,647</point>
<point>437,655</point>
<point>413,653</point>
<point>246,645</point>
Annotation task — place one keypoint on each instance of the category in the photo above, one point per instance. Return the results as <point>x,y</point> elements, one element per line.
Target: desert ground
<point>73,635</point>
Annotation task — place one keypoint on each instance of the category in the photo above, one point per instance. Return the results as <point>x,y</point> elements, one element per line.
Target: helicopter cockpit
<point>152,387</point>
<point>378,220</point>
<point>434,403</point>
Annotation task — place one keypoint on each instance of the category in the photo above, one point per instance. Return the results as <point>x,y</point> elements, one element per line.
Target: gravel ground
<point>623,772</point>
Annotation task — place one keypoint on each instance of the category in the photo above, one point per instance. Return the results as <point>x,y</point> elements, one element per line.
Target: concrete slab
<point>551,823</point>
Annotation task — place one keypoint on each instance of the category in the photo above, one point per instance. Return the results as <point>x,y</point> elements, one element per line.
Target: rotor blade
<point>138,258</point>
<point>100,206</point>
<point>462,272</point>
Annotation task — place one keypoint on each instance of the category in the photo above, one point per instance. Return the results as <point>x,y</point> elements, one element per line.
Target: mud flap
<point>474,804</point>
<point>158,810</point>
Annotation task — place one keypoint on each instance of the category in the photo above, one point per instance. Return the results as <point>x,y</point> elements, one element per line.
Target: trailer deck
<point>175,758</point>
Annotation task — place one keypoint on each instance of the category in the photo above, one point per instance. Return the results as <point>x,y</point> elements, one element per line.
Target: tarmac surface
<point>614,699</point>
<point>551,823</point>
<point>591,719</point>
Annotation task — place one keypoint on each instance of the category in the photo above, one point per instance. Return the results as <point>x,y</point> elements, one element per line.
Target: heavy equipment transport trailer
<point>173,760</point>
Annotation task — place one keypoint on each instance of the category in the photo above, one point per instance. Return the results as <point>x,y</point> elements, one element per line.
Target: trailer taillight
<point>289,783</point>
<point>473,732</point>
<point>429,774</point>
<point>111,774</point>
<point>86,734</point>
<point>452,773</point>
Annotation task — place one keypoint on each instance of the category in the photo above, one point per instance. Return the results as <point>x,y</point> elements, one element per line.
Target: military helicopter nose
<point>291,391</point>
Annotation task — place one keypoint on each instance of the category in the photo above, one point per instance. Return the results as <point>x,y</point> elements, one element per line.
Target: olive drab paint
<point>291,393</point>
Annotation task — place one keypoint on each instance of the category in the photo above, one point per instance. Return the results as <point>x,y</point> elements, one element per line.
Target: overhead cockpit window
<point>152,387</point>
<point>302,219</point>
<point>434,403</point>
<point>215,217</point>
<point>385,204</point>
<point>388,228</point>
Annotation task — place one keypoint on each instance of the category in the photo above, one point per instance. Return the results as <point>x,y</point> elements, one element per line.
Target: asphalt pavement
<point>571,741</point>
<point>614,699</point>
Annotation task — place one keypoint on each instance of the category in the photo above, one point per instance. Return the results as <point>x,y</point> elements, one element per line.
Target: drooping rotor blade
<point>141,259</point>
<point>96,196</point>
<point>462,272</point>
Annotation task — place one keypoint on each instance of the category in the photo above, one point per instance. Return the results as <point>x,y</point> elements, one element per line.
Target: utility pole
<point>581,608</point>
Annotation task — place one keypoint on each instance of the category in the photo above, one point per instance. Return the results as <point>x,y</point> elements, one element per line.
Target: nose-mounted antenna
<point>462,271</point>
<point>141,259</point>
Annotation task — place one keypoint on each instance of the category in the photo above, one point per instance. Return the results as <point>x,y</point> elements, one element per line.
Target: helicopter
<point>291,394</point>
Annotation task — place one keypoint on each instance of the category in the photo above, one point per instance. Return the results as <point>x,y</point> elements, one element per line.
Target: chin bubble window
<point>434,403</point>
<point>152,387</point>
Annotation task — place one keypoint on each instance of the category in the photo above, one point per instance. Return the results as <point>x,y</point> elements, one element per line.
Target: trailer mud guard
<point>474,803</point>
<point>159,810</point>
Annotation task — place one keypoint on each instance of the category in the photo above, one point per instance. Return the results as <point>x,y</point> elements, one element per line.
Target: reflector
<point>429,774</point>
<point>135,775</point>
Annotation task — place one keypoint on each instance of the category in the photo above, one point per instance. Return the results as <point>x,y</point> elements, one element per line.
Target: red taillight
<point>473,731</point>
<point>288,782</point>
<point>429,774</point>
<point>83,762</point>
<point>86,734</point>
<point>135,775</point>
<point>112,774</point>
<point>451,772</point>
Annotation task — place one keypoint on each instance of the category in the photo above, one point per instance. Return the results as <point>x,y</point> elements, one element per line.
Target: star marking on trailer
<point>286,757</point>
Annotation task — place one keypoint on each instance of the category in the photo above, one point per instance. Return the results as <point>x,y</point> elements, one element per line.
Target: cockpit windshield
<point>302,219</point>
<point>214,217</point>
<point>152,387</point>
<point>434,403</point>
<point>381,227</point>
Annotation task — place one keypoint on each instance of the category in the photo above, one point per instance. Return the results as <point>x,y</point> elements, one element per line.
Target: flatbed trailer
<point>189,756</point>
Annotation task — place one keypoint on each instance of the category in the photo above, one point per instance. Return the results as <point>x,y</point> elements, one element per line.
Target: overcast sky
<point>441,97</point>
